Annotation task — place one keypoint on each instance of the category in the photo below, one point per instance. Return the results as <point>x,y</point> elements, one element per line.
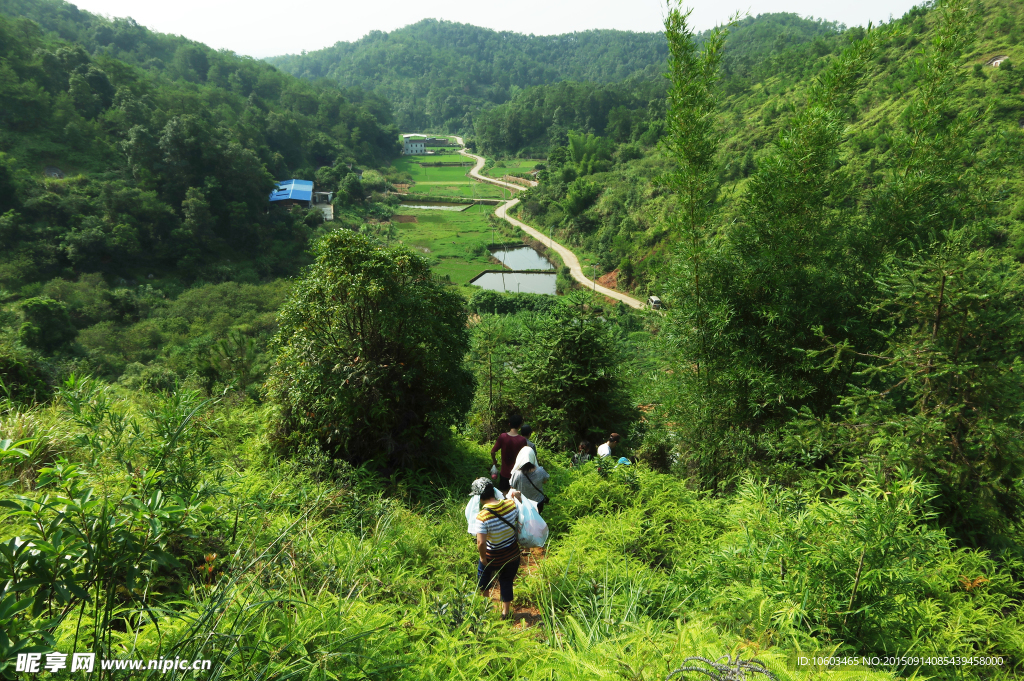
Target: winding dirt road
<point>568,257</point>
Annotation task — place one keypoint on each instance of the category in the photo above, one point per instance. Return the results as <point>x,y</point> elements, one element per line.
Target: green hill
<point>626,219</point>
<point>269,470</point>
<point>440,74</point>
<point>804,214</point>
<point>632,110</point>
<point>168,150</point>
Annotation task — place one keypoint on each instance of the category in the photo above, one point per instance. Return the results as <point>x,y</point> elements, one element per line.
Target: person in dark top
<point>586,450</point>
<point>509,443</point>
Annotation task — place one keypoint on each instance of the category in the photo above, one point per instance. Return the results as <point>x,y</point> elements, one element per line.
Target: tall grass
<point>285,571</point>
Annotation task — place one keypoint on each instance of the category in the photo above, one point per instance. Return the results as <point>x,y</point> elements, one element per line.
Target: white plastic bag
<point>533,531</point>
<point>473,507</point>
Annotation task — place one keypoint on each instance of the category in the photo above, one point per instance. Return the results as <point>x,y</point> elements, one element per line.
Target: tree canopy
<point>168,150</point>
<point>439,73</point>
<point>370,351</point>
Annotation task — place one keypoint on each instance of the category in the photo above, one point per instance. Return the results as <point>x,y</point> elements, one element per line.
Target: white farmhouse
<point>411,146</point>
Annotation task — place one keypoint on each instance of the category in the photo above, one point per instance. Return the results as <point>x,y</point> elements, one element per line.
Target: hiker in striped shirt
<point>497,541</point>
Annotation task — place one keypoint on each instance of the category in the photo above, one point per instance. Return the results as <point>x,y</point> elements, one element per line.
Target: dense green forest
<point>603,192</point>
<point>437,74</point>
<point>632,110</point>
<point>160,154</point>
<point>261,455</point>
<point>442,75</point>
<point>166,152</point>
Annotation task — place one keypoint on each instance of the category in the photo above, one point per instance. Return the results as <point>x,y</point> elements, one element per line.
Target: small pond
<point>517,282</point>
<point>522,258</point>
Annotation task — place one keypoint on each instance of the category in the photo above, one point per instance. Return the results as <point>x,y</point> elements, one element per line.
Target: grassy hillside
<point>272,568</point>
<point>824,424</point>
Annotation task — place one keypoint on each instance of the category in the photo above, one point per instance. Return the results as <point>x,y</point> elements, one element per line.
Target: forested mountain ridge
<point>436,73</point>
<point>538,118</point>
<point>439,74</point>
<point>169,150</point>
<point>625,222</point>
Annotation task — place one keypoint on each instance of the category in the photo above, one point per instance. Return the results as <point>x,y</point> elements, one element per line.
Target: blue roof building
<point>293,191</point>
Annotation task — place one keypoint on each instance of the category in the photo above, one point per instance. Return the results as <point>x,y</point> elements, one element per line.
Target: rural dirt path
<point>568,257</point>
<point>523,616</point>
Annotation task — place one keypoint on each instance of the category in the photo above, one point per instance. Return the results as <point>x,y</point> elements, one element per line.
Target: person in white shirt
<point>607,448</point>
<point>529,474</point>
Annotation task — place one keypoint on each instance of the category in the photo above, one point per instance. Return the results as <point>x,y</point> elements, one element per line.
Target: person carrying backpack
<point>497,541</point>
<point>528,476</point>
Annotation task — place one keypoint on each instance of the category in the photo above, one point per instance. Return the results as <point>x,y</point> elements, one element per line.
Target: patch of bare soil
<point>610,280</point>
<point>404,218</point>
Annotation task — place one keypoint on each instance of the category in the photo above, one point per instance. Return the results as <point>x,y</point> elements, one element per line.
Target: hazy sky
<point>262,28</point>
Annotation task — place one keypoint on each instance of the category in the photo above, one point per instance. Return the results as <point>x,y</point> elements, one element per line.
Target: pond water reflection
<point>517,282</point>
<point>522,258</point>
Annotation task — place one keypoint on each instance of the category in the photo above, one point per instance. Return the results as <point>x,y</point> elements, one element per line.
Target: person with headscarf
<point>528,476</point>
<point>497,541</point>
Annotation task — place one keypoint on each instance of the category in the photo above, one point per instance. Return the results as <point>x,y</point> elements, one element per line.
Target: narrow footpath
<point>526,616</point>
<point>568,257</point>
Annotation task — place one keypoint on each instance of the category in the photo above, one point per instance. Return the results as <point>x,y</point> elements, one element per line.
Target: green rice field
<point>512,166</point>
<point>456,243</point>
<point>445,181</point>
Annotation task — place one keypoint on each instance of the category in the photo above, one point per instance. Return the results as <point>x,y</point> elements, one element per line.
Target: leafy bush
<point>78,548</point>
<point>563,378</point>
<point>865,567</point>
<point>373,181</point>
<point>350,191</point>
<point>580,195</point>
<point>493,302</point>
<point>90,300</point>
<point>148,378</point>
<point>22,377</point>
<point>863,570</point>
<point>943,395</point>
<point>370,354</point>
<point>236,360</point>
<point>47,325</point>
